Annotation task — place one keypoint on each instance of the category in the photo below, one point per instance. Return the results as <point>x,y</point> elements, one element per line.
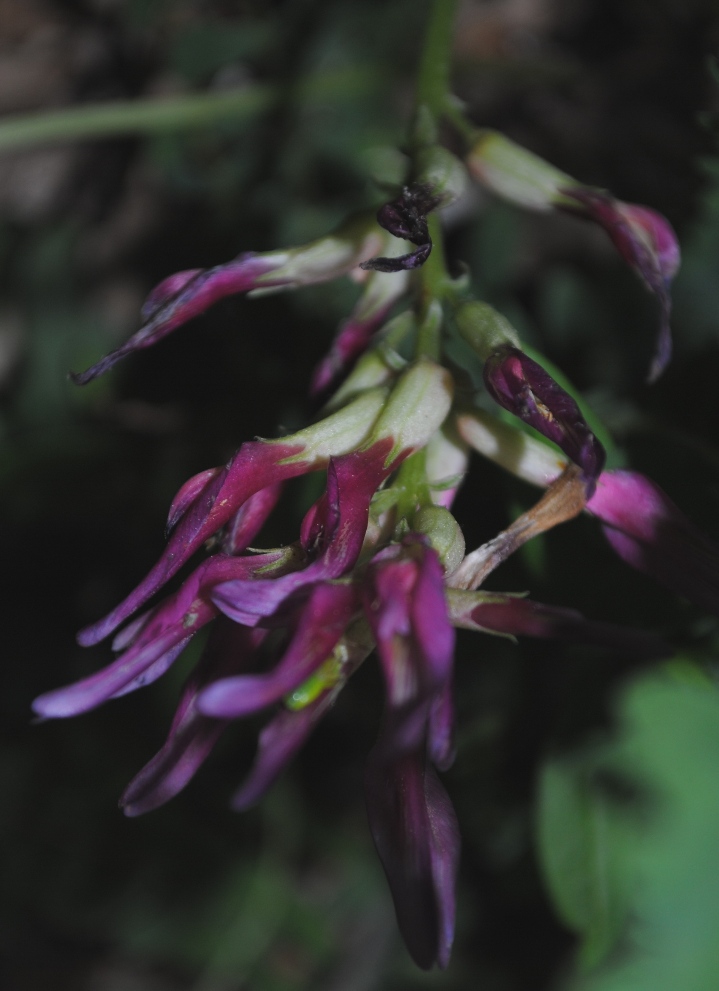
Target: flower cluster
<point>380,561</point>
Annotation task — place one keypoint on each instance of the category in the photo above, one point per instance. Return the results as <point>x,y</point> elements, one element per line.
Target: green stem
<point>434,70</point>
<point>162,115</point>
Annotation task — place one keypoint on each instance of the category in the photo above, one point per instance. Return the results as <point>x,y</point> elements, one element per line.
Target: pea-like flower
<point>380,562</point>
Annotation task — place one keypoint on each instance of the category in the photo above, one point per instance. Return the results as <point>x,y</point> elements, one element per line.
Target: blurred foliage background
<point>587,790</point>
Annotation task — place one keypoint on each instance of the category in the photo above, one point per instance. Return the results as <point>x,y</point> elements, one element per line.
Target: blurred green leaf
<point>582,854</point>
<point>659,850</point>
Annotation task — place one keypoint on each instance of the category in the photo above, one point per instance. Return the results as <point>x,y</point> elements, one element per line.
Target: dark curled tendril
<point>406,217</point>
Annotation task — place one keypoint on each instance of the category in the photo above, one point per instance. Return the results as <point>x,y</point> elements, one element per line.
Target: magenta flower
<point>355,333</point>
<point>649,532</point>
<point>410,815</point>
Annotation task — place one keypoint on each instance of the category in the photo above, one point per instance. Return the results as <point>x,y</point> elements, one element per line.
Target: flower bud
<point>319,261</point>
<point>416,408</point>
<point>444,535</point>
<point>446,460</point>
<point>518,175</point>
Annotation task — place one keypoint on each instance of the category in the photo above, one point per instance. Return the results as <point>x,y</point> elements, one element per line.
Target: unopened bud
<point>444,534</point>
<point>416,408</point>
<point>518,175</point>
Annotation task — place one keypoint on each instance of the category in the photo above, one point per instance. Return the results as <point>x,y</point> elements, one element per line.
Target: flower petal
<point>355,334</point>
<point>322,622</point>
<point>337,530</point>
<point>649,532</point>
<point>285,733</point>
<point>192,735</point>
<point>415,832</point>
<point>157,643</point>
<point>257,465</point>
<point>181,297</point>
<point>647,242</point>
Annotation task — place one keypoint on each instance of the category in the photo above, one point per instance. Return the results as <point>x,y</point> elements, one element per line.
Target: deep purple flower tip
<point>416,835</point>
<point>515,616</point>
<point>522,386</point>
<point>649,532</point>
<point>192,735</point>
<point>647,243</point>
<point>179,298</point>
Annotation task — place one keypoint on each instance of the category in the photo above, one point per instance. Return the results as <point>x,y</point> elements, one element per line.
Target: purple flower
<point>643,525</point>
<point>524,388</point>
<point>206,504</point>
<point>643,237</point>
<point>149,646</point>
<point>649,532</point>
<point>355,333</point>
<point>230,649</point>
<point>516,616</point>
<point>185,295</point>
<point>410,815</point>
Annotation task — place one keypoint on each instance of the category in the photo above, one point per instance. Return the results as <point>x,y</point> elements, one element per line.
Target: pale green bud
<point>335,254</point>
<point>339,433</point>
<point>443,533</point>
<point>416,408</point>
<point>518,175</point>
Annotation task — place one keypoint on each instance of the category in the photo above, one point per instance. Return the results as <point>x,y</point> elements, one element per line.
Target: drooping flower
<point>643,237</point>
<point>185,295</point>
<point>256,466</point>
<point>642,524</point>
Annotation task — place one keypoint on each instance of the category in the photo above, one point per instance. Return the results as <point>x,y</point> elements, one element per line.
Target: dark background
<point>290,895</point>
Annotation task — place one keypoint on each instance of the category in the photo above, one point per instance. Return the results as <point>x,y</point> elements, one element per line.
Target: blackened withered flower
<point>406,217</point>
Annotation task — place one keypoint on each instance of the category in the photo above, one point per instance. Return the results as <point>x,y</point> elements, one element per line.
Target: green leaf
<point>665,842</point>
<point>582,854</point>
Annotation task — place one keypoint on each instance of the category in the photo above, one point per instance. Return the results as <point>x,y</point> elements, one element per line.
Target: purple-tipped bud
<point>524,388</point>
<point>646,241</point>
